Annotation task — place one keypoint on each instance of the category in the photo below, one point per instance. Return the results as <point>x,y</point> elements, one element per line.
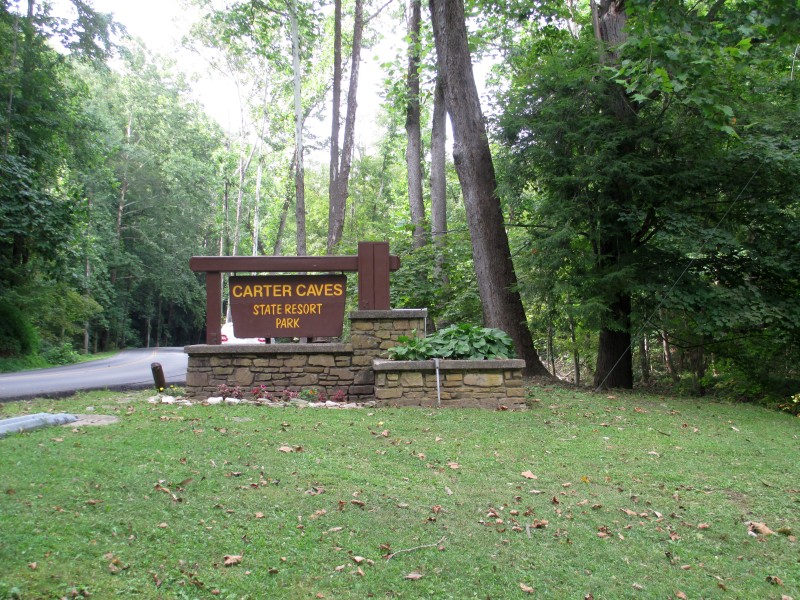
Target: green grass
<point>36,361</point>
<point>151,506</point>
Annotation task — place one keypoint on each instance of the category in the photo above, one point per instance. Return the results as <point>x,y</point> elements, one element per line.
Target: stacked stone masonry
<point>492,384</point>
<point>325,367</point>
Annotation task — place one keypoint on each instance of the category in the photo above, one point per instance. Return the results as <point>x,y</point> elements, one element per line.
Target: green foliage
<point>17,336</point>
<point>629,183</point>
<point>465,342</point>
<point>62,354</point>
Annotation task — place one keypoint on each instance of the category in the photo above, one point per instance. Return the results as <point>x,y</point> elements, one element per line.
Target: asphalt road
<point>128,370</point>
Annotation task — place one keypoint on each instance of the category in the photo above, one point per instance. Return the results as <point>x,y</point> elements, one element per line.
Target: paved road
<point>130,369</point>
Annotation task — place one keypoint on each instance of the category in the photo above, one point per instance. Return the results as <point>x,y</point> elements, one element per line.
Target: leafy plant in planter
<point>465,342</point>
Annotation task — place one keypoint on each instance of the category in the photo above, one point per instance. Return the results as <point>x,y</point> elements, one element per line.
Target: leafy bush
<point>456,342</point>
<point>63,354</point>
<point>17,336</point>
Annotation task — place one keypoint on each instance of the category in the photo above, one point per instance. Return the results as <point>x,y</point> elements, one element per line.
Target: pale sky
<point>162,23</point>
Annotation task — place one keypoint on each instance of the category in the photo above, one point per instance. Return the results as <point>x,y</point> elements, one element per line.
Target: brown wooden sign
<point>288,305</point>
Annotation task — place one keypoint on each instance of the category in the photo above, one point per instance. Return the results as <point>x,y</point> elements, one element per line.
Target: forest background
<point>633,177</point>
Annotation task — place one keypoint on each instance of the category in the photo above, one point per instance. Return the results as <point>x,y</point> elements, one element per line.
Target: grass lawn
<point>582,496</point>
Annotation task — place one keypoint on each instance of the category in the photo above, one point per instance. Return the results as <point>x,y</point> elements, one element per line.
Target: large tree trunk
<point>413,129</point>
<point>497,282</point>
<point>614,367</point>
<point>614,362</point>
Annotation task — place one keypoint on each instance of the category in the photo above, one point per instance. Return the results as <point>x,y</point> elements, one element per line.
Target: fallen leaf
<point>162,525</point>
<point>526,588</point>
<point>681,596</point>
<point>359,572</point>
<point>232,559</point>
<point>774,580</point>
<point>539,524</point>
<point>32,566</point>
<point>259,515</point>
<point>759,528</point>
<point>528,475</point>
<point>286,449</point>
<point>358,559</point>
<point>413,576</point>
<point>453,465</point>
<point>638,586</point>
<point>703,526</point>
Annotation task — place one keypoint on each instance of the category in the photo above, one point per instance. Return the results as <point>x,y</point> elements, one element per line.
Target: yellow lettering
<point>337,289</point>
<point>300,290</point>
<point>287,323</point>
<point>237,291</point>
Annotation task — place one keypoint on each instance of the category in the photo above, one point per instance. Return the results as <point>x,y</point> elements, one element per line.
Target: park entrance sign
<point>283,306</point>
<point>372,264</point>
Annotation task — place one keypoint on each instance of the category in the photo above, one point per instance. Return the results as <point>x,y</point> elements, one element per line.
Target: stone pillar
<point>372,332</point>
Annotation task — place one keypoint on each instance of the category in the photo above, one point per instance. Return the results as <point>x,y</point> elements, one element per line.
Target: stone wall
<point>324,367</point>
<point>462,383</point>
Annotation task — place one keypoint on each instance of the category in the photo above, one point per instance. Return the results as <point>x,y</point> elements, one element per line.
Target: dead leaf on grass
<point>759,528</point>
<point>526,588</point>
<point>453,465</point>
<point>528,475</point>
<point>232,559</point>
<point>774,580</point>
<point>413,576</point>
<point>286,449</point>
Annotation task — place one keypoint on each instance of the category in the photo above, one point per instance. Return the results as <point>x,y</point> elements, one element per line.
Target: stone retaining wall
<point>324,367</point>
<point>462,383</point>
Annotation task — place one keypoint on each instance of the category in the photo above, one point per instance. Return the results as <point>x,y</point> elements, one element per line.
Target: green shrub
<point>456,342</point>
<point>63,354</point>
<point>17,336</point>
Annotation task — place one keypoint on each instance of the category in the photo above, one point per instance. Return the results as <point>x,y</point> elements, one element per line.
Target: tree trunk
<point>339,182</point>
<point>257,205</point>
<point>413,129</point>
<point>576,358</point>
<point>439,181</point>
<point>333,170</point>
<point>614,367</point>
<point>614,364</point>
<point>497,282</point>
<point>299,171</point>
<point>644,358</point>
<point>668,362</point>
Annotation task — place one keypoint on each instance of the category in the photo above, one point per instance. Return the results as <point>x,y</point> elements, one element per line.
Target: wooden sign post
<point>373,264</point>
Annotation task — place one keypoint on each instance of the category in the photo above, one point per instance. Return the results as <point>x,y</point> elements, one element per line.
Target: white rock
<point>167,399</point>
<point>154,399</point>
<point>232,401</point>
<point>214,400</point>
